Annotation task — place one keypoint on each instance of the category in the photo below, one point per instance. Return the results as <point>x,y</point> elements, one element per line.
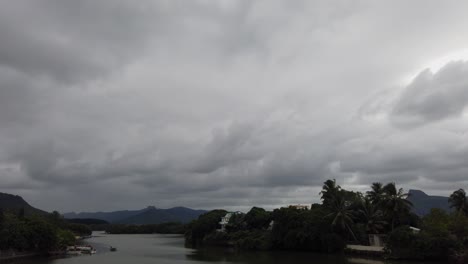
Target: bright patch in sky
<point>436,64</point>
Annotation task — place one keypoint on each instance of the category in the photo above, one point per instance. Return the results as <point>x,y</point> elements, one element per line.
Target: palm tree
<point>342,215</point>
<point>330,191</point>
<point>376,194</point>
<point>459,201</point>
<point>394,202</point>
<point>372,217</point>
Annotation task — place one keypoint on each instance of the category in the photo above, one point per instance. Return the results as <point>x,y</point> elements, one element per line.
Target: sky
<point>108,105</point>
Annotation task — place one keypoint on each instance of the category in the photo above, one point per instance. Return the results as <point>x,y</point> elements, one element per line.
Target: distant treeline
<point>344,217</point>
<point>38,233</point>
<point>164,228</point>
<point>87,221</point>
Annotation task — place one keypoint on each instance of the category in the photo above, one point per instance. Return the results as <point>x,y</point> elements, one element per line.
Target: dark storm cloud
<point>70,40</point>
<point>226,104</point>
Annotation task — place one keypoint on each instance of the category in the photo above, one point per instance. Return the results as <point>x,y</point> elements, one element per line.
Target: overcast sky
<point>109,105</point>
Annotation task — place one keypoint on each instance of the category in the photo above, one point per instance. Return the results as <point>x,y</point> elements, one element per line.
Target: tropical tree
<point>341,215</point>
<point>375,195</point>
<point>330,191</point>
<point>372,217</point>
<point>459,201</point>
<point>257,218</point>
<point>395,203</point>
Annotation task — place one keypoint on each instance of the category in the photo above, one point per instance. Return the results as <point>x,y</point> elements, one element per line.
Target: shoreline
<point>21,255</point>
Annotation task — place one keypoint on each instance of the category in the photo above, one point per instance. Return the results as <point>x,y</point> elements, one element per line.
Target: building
<point>225,220</point>
<point>300,206</point>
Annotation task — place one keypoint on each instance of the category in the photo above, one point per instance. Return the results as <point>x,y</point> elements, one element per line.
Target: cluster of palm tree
<point>380,209</point>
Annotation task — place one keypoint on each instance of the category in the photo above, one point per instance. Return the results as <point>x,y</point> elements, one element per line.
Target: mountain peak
<point>423,203</point>
<point>417,194</point>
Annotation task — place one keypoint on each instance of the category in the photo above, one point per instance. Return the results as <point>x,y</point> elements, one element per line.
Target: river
<point>169,249</point>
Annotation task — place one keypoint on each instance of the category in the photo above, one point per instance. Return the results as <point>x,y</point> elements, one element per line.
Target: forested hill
<point>15,203</point>
<point>149,215</point>
<point>423,203</point>
<point>111,217</point>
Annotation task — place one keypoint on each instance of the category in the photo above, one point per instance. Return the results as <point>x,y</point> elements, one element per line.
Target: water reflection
<point>281,257</point>
<point>169,249</point>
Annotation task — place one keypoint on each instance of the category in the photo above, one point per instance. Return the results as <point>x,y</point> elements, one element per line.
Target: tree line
<point>344,217</point>
<point>38,233</point>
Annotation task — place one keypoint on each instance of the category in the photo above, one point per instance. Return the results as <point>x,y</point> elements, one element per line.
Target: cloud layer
<point>113,104</point>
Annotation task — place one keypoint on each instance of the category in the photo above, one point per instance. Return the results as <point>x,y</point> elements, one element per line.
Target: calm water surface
<point>162,249</point>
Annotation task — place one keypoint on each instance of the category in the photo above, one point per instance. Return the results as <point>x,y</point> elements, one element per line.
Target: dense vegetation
<point>165,228</point>
<point>37,232</point>
<point>344,217</point>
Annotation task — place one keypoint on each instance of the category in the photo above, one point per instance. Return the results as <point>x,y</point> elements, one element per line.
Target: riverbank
<point>367,251</point>
<point>11,254</point>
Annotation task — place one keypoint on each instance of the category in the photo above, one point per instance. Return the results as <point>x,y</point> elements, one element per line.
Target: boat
<point>78,250</point>
<point>112,248</point>
<point>73,251</point>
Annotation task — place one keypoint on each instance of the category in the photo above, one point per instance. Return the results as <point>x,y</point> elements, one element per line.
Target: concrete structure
<point>376,240</point>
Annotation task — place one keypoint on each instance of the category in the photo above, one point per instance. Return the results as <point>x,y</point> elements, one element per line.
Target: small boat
<point>112,248</point>
<point>78,250</point>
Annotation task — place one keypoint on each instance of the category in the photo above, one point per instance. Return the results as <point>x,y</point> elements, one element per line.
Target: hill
<point>149,215</point>
<point>87,221</point>
<point>423,203</point>
<point>110,217</point>
<point>16,203</point>
<point>156,216</point>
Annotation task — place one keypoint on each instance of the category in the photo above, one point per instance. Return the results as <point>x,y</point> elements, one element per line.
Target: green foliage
<point>79,229</point>
<point>164,228</point>
<point>459,201</point>
<point>216,238</point>
<point>395,204</point>
<point>236,223</point>
<point>37,232</point>
<point>205,224</point>
<point>256,240</point>
<point>344,217</point>
<point>402,243</point>
<point>304,230</point>
<point>458,225</point>
<point>32,234</point>
<point>65,238</point>
<point>375,195</point>
<point>329,192</point>
<point>341,215</point>
<point>371,216</point>
<point>257,218</point>
<point>436,222</point>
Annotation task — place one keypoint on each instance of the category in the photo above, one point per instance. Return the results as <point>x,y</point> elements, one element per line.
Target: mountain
<point>423,203</point>
<point>10,202</point>
<point>110,217</point>
<point>87,221</point>
<point>149,215</point>
<point>157,216</point>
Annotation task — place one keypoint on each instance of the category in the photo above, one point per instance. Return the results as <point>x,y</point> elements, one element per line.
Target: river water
<point>169,249</point>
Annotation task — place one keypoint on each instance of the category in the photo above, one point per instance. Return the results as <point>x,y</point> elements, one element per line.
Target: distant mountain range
<point>149,215</point>
<point>15,203</point>
<point>423,203</point>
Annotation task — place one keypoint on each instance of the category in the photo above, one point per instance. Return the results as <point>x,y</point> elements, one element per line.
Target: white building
<point>300,206</point>
<point>225,220</point>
